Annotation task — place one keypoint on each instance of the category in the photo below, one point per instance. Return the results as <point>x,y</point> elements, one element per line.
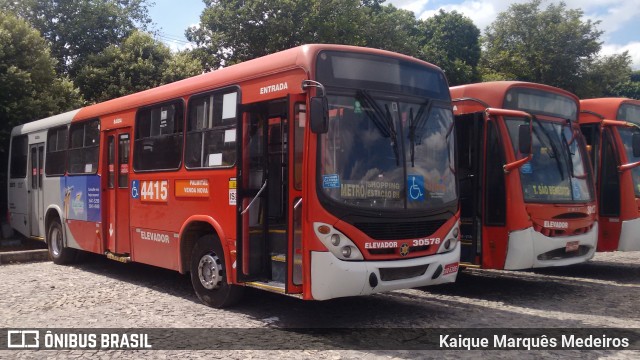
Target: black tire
<point>55,241</point>
<point>209,275</point>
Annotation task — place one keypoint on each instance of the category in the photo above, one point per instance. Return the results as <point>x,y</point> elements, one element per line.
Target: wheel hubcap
<point>210,271</point>
<point>56,238</point>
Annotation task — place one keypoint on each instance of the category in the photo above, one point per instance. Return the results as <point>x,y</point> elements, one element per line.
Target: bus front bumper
<point>630,236</point>
<point>530,249</point>
<point>333,278</point>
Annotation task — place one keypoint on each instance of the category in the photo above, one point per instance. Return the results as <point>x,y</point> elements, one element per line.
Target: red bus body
<point>617,177</point>
<point>501,228</point>
<point>241,126</point>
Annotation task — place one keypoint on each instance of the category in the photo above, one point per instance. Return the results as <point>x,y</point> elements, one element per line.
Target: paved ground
<point>101,293</point>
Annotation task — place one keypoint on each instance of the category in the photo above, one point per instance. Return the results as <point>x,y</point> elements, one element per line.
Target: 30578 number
<point>426,242</point>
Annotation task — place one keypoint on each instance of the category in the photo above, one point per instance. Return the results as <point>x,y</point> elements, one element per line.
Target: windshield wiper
<point>415,124</point>
<point>552,144</point>
<point>382,120</point>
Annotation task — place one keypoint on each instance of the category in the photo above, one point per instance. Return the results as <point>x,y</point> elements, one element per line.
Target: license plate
<point>572,246</point>
<point>451,268</point>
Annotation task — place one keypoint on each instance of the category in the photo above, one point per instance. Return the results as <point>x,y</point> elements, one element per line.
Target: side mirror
<point>635,144</point>
<point>524,139</point>
<point>319,115</point>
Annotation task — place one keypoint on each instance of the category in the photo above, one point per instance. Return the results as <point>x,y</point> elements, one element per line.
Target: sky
<point>618,18</point>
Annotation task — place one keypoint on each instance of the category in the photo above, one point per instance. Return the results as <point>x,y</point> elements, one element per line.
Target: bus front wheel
<point>55,240</point>
<point>209,276</point>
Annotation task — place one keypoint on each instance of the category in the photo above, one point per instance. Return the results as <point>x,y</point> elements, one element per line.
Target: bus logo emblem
<point>404,249</point>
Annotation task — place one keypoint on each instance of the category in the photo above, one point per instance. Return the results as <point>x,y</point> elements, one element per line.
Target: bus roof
<point>298,57</point>
<point>594,110</point>
<point>493,92</point>
<point>46,123</point>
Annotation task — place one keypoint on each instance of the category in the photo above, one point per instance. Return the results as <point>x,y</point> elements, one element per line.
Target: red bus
<point>526,189</point>
<point>297,173</point>
<point>615,157</point>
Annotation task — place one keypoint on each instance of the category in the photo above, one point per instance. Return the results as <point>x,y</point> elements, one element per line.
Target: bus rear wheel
<point>55,240</point>
<point>209,276</point>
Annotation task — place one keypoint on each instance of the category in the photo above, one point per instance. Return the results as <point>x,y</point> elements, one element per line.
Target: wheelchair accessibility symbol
<point>135,189</point>
<point>415,188</point>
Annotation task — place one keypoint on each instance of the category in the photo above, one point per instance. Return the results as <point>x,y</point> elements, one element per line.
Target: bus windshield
<point>626,135</point>
<point>557,171</point>
<point>629,112</point>
<point>388,152</point>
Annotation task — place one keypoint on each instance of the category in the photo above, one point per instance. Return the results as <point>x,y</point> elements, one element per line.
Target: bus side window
<point>19,151</point>
<point>211,130</point>
<point>158,137</point>
<point>495,198</point>
<point>84,147</point>
<point>56,151</point>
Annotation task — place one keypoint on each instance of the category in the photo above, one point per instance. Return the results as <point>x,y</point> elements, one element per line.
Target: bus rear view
<point>526,188</point>
<point>611,128</point>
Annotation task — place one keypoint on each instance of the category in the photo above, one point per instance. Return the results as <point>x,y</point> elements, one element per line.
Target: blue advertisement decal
<point>330,181</point>
<point>526,169</point>
<point>415,188</point>
<point>81,197</point>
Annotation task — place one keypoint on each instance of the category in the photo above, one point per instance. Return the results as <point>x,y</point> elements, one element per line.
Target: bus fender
<point>219,232</point>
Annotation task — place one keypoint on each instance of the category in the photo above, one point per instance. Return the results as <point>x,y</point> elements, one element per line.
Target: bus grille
<point>561,253</point>
<point>390,274</point>
<point>400,230</point>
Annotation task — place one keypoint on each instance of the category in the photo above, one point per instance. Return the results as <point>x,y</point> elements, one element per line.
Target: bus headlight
<point>450,240</point>
<point>337,243</point>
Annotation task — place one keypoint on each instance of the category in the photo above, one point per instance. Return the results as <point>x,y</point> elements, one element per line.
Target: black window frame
<point>179,117</point>
<point>231,123</point>
<point>13,174</point>
<point>84,148</point>
<point>495,197</point>
<point>53,156</point>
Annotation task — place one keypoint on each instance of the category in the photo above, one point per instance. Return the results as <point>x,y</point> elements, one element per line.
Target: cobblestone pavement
<point>99,293</point>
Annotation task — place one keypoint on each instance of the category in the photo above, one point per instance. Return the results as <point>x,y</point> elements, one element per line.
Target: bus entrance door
<point>117,192</point>
<point>36,153</point>
<point>469,133</point>
<point>262,195</point>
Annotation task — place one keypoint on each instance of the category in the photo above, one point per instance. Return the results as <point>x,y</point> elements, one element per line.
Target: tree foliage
<point>29,87</point>
<point>451,41</point>
<point>629,88</point>
<point>603,75</point>
<point>75,29</point>
<point>140,63</point>
<point>552,46</point>
<point>232,31</point>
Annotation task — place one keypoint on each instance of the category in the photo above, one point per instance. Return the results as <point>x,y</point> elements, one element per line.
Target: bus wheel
<point>55,240</point>
<point>208,274</point>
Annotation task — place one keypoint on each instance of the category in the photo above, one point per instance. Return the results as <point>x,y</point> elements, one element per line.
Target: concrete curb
<point>24,256</point>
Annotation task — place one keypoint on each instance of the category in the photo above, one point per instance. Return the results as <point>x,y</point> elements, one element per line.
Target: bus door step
<point>123,258</point>
<point>278,267</point>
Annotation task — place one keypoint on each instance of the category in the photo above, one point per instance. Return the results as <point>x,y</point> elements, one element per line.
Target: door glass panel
<point>34,168</point>
<point>123,161</point>
<point>111,157</point>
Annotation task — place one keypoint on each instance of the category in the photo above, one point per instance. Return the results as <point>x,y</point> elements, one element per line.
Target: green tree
<point>232,31</point>
<point>603,75</point>
<point>390,28</point>
<point>630,88</point>
<point>139,63</point>
<point>29,87</point>
<point>75,29</point>
<point>452,42</point>
<point>552,46</point>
